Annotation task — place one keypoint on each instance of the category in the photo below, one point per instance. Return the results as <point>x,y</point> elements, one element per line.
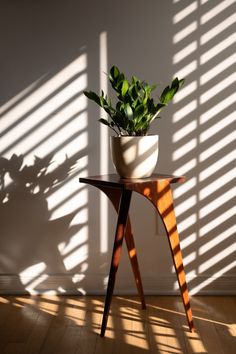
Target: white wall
<point>56,234</point>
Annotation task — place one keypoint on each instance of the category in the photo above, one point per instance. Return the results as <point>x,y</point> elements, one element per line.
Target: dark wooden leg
<point>166,210</point>
<point>119,236</point>
<point>114,195</point>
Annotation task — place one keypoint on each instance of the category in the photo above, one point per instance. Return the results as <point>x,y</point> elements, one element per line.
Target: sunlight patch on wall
<point>185,91</point>
<point>217,166</point>
<point>187,69</point>
<point>184,53</point>
<point>217,203</point>
<point>218,48</point>
<point>222,143</point>
<point>183,132</point>
<point>185,32</point>
<point>218,274</point>
<point>217,127</point>
<point>188,240</point>
<point>49,119</point>
<point>55,119</point>
<point>216,184</point>
<point>218,108</point>
<point>185,111</point>
<point>189,258</point>
<point>209,15</point>
<point>214,223</point>
<point>203,140</point>
<point>17,98</point>
<point>104,139</point>
<point>216,89</point>
<point>217,240</point>
<point>77,257</point>
<point>185,187</point>
<point>26,275</point>
<point>217,29</point>
<point>73,243</point>
<point>188,166</point>
<point>185,12</point>
<point>185,205</point>
<point>187,223</point>
<point>217,69</point>
<point>45,91</point>
<point>32,276</point>
<point>184,149</point>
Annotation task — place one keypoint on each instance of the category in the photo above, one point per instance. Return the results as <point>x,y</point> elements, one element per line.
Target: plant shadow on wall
<point>25,220</point>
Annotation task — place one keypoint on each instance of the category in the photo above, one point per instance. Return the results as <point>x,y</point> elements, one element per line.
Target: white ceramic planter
<point>134,156</point>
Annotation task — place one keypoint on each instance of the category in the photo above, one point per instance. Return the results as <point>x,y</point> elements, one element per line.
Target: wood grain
<point>158,191</point>
<point>66,324</point>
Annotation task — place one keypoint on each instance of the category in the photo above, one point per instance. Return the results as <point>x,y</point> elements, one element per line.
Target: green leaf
<point>135,109</point>
<point>102,101</point>
<point>114,72</point>
<point>139,111</point>
<point>128,111</point>
<point>135,80</point>
<point>104,121</point>
<point>141,126</point>
<point>92,96</point>
<point>169,92</point>
<point>159,106</point>
<point>120,80</point>
<point>181,82</point>
<point>125,87</point>
<point>118,106</point>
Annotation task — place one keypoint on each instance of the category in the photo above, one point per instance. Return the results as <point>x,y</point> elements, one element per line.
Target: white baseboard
<point>92,284</point>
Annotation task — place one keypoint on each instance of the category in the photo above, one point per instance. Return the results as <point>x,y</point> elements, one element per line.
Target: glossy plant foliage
<point>135,109</point>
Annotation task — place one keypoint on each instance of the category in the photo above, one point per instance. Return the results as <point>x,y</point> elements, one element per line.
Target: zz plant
<point>136,109</point>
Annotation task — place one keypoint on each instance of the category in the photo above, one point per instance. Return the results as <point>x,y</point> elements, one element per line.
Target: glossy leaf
<point>135,109</point>
<point>125,87</point>
<point>92,96</point>
<point>114,72</point>
<point>128,111</point>
<point>104,121</point>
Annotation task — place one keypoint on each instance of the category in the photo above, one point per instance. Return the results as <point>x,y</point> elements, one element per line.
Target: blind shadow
<point>203,142</point>
<point>71,324</point>
<point>25,221</point>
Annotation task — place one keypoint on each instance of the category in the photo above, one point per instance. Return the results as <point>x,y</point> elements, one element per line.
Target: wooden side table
<point>158,191</point>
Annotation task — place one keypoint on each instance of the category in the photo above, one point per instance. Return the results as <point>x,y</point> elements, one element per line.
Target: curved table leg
<point>161,197</point>
<point>165,208</point>
<point>114,195</point>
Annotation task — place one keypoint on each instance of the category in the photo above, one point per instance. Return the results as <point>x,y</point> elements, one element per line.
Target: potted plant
<point>134,152</point>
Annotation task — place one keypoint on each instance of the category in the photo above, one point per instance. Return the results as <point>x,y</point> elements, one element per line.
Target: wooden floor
<point>66,325</point>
